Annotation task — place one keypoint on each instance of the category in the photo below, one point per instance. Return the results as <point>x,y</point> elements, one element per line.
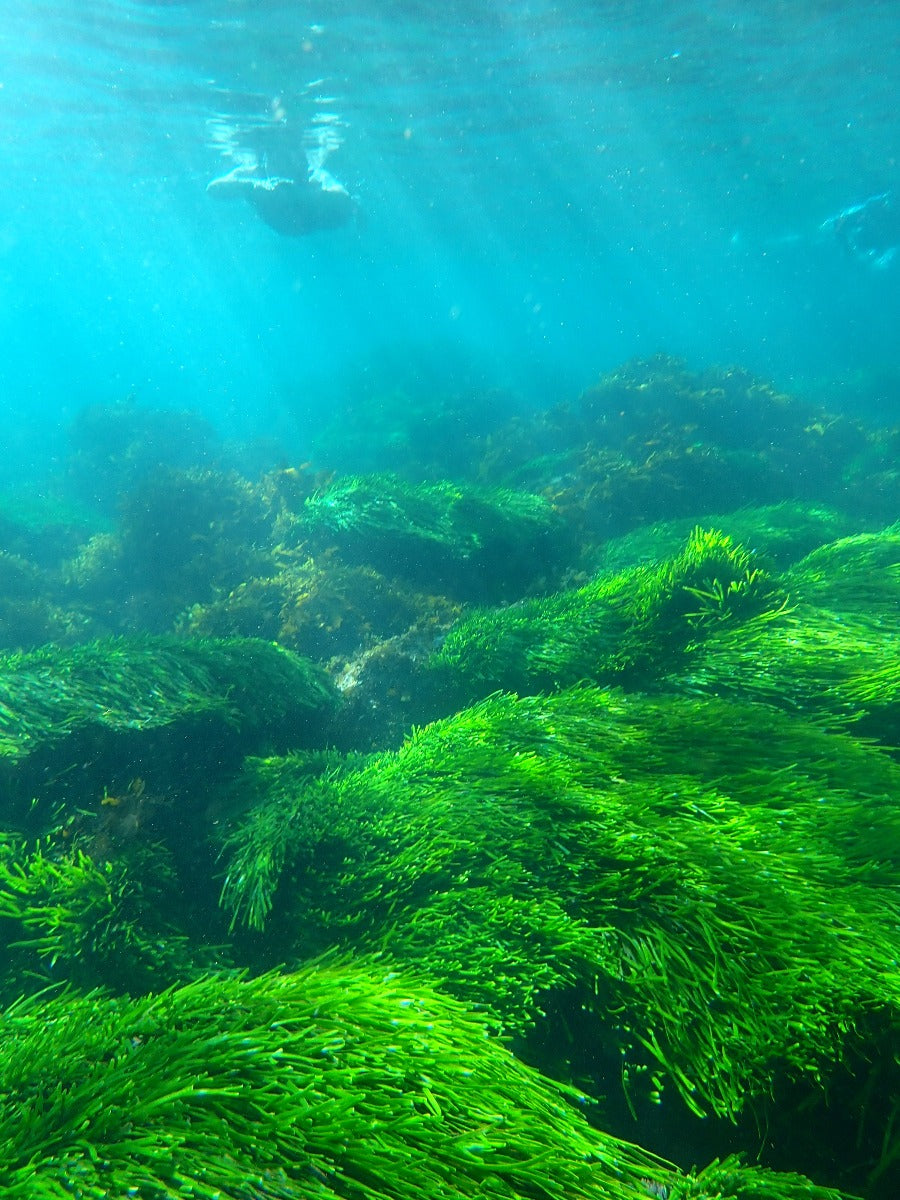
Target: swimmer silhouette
<point>289,206</point>
<point>870,231</point>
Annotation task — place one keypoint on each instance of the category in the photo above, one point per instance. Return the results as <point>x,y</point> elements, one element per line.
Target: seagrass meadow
<point>651,894</point>
<point>337,1080</point>
<point>526,829</point>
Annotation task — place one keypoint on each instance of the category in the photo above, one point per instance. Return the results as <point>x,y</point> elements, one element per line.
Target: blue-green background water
<point>545,190</point>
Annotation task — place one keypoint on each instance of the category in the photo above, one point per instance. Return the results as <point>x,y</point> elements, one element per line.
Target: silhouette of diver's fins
<point>869,231</point>
<point>290,208</point>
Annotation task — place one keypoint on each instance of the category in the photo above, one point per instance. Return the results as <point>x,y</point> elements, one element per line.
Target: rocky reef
<point>522,829</point>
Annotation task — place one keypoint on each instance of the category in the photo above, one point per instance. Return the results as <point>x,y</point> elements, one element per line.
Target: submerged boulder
<point>97,716</point>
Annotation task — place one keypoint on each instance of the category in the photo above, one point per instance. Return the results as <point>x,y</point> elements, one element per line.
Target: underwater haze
<point>539,192</point>
<point>450,600</point>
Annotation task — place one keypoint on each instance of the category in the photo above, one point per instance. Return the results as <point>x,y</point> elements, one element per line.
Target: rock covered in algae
<point>68,915</point>
<point>654,440</point>
<point>833,652</point>
<point>29,613</point>
<point>147,704</point>
<point>469,540</point>
<point>181,537</point>
<point>339,1081</point>
<point>113,447</point>
<point>779,535</point>
<point>689,895</point>
<point>635,623</point>
<point>320,609</point>
<point>821,637</point>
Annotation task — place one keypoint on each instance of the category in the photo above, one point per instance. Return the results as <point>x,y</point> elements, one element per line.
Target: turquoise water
<point>543,191</point>
<point>448,524</point>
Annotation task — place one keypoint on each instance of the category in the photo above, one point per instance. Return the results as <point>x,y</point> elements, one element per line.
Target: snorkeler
<point>870,231</point>
<point>293,207</point>
<point>281,171</point>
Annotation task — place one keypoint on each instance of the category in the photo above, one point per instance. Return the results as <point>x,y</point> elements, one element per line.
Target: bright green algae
<point>147,700</point>
<point>711,885</point>
<point>698,892</point>
<point>779,534</point>
<point>340,1080</point>
<point>859,574</point>
<point>822,638</point>
<point>344,1079</point>
<point>65,915</point>
<point>833,653</point>
<point>636,623</point>
<point>459,536</point>
<point>124,684</point>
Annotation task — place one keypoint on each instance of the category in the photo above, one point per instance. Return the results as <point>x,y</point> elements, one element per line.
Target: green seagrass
<point>140,703</point>
<point>466,539</point>
<point>633,625</point>
<point>343,1080</point>
<point>710,886</point>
